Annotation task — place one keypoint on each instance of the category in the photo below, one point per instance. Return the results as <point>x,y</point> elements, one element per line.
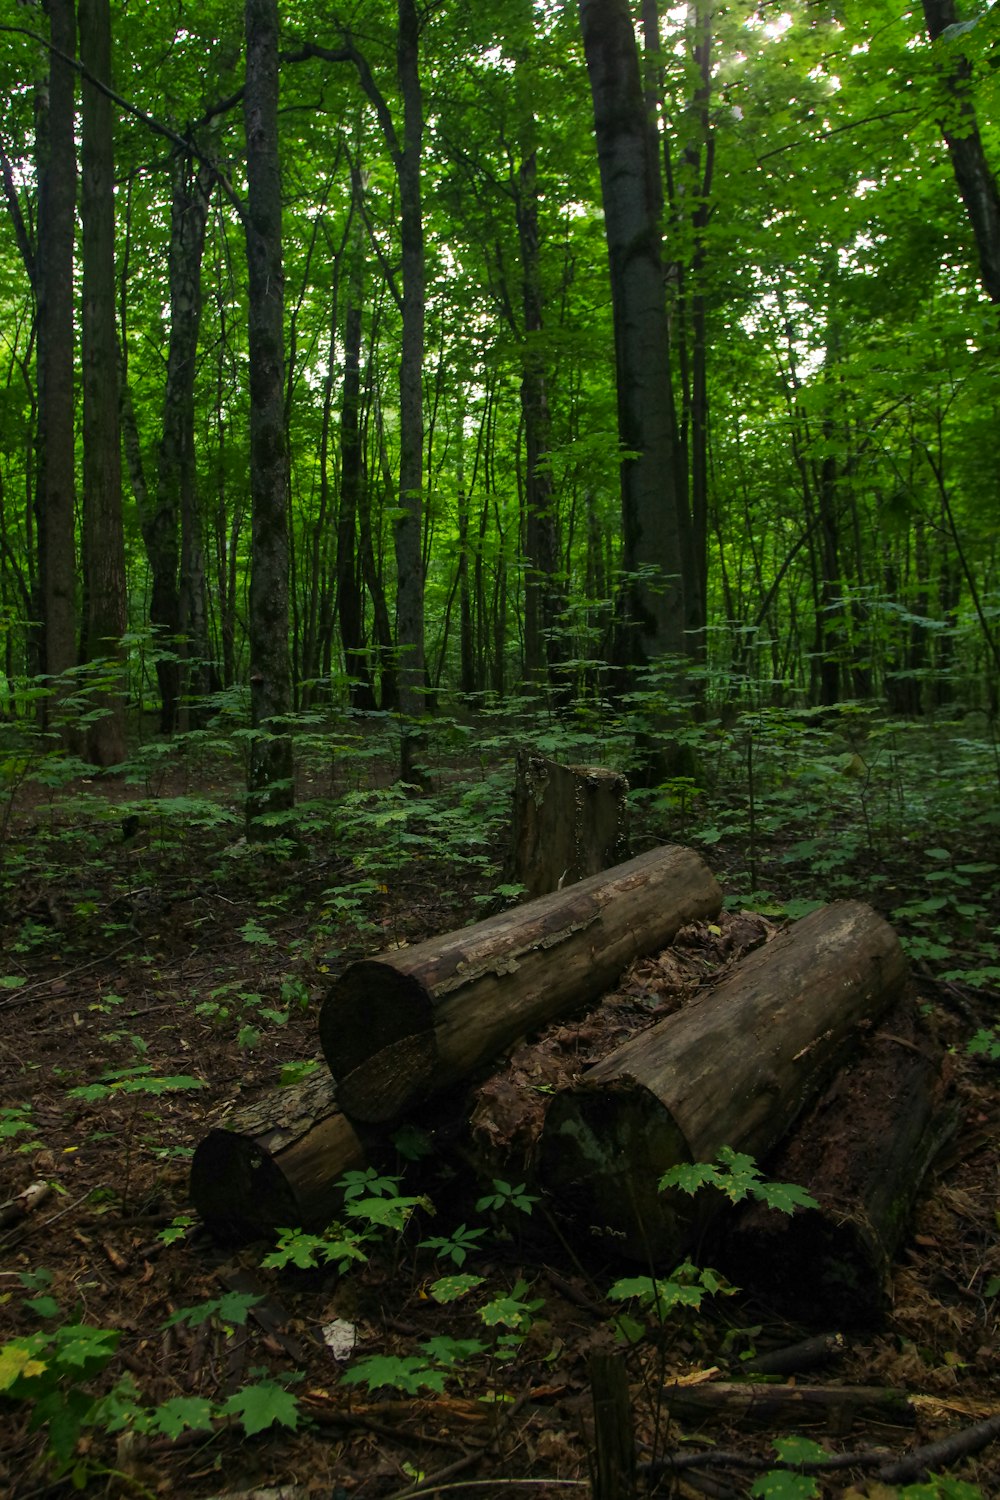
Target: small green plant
<point>985,1043</point>
<point>16,1121</point>
<point>456,1246</point>
<point>137,1080</point>
<point>736,1175</point>
<point>506,1196</point>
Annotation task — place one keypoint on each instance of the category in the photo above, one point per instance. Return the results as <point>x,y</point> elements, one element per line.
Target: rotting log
<point>788,1407</point>
<point>274,1163</point>
<point>569,822</point>
<point>734,1070</point>
<point>400,1027</point>
<point>862,1151</point>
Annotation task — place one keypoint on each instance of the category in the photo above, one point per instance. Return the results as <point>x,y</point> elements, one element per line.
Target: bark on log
<point>569,822</point>
<point>734,1070</point>
<point>738,1403</point>
<point>862,1151</point>
<point>404,1025</point>
<point>274,1163</point>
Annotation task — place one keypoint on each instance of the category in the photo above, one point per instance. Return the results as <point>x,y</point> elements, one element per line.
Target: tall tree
<point>103,531</point>
<point>271,785</point>
<point>973,174</point>
<point>53,281</point>
<point>654,521</point>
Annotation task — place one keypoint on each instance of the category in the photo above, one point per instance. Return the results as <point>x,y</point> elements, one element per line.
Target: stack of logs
<point>807,1049</point>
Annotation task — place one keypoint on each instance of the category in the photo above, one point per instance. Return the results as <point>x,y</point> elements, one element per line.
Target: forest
<point>397,399</point>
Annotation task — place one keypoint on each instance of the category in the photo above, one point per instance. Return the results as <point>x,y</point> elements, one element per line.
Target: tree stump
<point>400,1027</point>
<point>273,1164</point>
<point>862,1151</point>
<point>734,1070</point>
<point>569,822</point>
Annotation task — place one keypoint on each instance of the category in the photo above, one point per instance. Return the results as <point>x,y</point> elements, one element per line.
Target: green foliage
<point>985,1043</point>
<point>736,1175</point>
<point>456,1246</point>
<point>686,1287</point>
<point>138,1080</point>
<point>505,1196</point>
<point>16,1121</point>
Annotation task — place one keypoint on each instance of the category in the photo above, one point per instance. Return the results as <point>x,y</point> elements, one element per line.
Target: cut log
<point>274,1164</point>
<point>788,1407</point>
<point>569,822</point>
<point>734,1070</point>
<point>862,1151</point>
<point>400,1027</point>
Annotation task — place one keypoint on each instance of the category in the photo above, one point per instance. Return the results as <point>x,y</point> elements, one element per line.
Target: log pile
<point>775,1058</point>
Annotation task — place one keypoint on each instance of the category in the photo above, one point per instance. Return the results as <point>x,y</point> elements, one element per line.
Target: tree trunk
<point>175,479</point>
<point>654,520</point>
<point>569,822</point>
<point>350,601</point>
<point>734,1070</point>
<point>103,530</point>
<point>274,1164</point>
<point>56,473</point>
<point>407,528</point>
<point>271,788</point>
<point>405,1025</point>
<point>862,1152</point>
<point>973,175</point>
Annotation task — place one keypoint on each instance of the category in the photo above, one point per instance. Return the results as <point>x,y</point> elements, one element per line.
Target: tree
<point>976,181</point>
<point>654,522</point>
<point>271,785</point>
<point>53,284</point>
<point>103,527</point>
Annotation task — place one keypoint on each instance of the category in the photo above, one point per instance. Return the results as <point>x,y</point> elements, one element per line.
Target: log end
<point>238,1190</point>
<point>376,1029</point>
<point>602,1153</point>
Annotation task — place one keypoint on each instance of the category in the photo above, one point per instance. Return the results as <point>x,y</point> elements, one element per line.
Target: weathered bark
<point>787,1406</point>
<point>654,520</point>
<point>405,1025</point>
<point>862,1152</point>
<point>734,1070</point>
<point>614,1432</point>
<point>274,1164</point>
<point>569,822</point>
<point>103,529</point>
<point>53,281</point>
<point>974,177</point>
<point>271,788</point>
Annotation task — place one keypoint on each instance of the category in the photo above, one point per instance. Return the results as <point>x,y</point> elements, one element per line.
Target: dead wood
<point>758,1405</point>
<point>569,822</point>
<point>274,1163</point>
<point>862,1152</point>
<point>401,1027</point>
<point>734,1070</point>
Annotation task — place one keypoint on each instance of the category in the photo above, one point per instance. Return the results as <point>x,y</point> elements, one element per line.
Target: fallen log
<point>734,1070</point>
<point>274,1163</point>
<point>862,1151</point>
<point>569,822</point>
<point>745,1404</point>
<point>407,1024</point>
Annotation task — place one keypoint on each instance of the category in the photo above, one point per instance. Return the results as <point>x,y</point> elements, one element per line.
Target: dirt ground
<point>123,954</point>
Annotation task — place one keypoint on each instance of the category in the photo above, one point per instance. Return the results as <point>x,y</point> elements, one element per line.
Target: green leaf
<point>180,1412</point>
<point>780,1485</point>
<point>451,1288</point>
<point>799,1450</point>
<point>408,1373</point>
<point>260,1406</point>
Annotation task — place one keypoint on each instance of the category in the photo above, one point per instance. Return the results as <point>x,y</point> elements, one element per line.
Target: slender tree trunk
<point>103,533</point>
<point>654,523</point>
<point>350,602</point>
<point>168,524</point>
<point>407,530</point>
<point>271,786</point>
<point>53,268</point>
<point>973,174</point>
<point>541,589</point>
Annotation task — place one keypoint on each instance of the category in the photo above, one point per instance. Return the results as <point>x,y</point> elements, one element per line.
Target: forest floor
<point>156,968</point>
